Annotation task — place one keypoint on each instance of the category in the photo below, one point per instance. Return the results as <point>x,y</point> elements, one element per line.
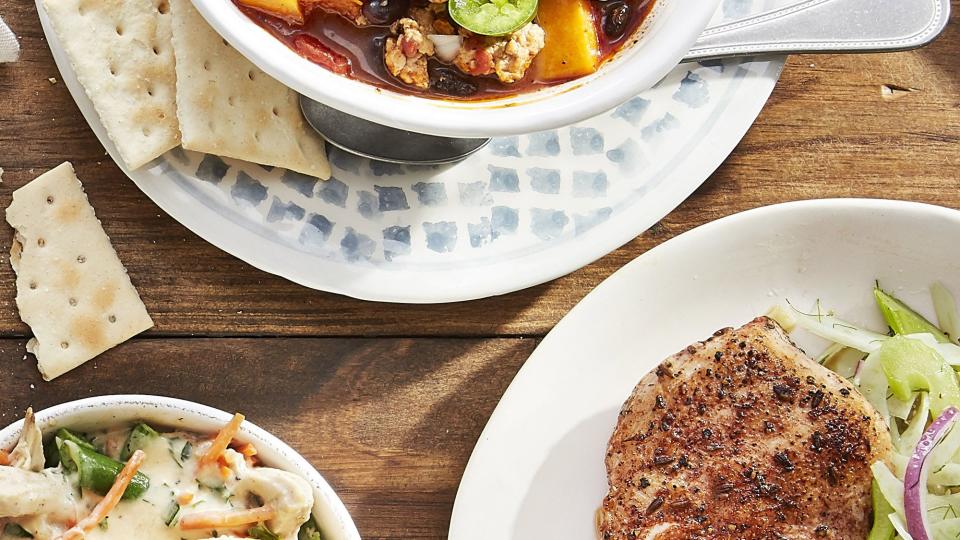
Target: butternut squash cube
<point>572,48</point>
<point>288,10</point>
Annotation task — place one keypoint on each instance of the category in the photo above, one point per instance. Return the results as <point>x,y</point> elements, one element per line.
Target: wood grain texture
<point>827,132</point>
<point>390,423</point>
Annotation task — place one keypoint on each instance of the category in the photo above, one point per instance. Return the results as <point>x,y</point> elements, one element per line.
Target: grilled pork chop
<point>742,437</point>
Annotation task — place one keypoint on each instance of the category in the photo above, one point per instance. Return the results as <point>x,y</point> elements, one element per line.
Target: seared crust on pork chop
<point>742,437</point>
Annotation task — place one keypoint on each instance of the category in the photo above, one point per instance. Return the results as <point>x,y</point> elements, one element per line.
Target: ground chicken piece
<point>406,55</point>
<point>444,27</point>
<point>351,9</point>
<point>509,57</point>
<point>432,19</point>
<point>424,18</point>
<point>522,47</point>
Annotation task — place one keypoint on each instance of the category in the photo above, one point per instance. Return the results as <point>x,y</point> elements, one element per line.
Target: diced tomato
<point>312,49</point>
<point>408,46</point>
<point>484,62</point>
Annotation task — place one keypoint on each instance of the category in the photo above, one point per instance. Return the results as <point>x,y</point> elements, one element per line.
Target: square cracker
<point>121,53</point>
<point>228,107</point>
<point>72,290</point>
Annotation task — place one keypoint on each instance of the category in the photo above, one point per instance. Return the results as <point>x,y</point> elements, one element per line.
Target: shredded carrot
<point>223,440</point>
<point>4,457</point>
<point>248,449</point>
<point>109,501</point>
<point>184,498</point>
<point>226,519</point>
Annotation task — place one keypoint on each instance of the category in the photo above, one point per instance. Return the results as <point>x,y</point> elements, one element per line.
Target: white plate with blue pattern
<point>522,211</point>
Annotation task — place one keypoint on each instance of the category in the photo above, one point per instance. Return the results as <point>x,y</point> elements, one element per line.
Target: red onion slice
<point>915,478</point>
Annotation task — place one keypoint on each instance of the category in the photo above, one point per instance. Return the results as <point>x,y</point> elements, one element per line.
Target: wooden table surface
<point>386,400</point>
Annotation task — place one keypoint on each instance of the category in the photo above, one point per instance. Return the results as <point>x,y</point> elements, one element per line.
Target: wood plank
<point>390,423</point>
<point>827,132</point>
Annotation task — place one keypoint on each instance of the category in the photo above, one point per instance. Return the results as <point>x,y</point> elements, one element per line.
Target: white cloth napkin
<point>9,48</point>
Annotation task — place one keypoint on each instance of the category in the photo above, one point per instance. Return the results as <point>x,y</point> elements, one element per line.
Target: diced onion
<point>446,47</point>
<point>915,478</point>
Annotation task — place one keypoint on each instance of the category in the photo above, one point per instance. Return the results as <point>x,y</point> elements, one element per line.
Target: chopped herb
<point>139,437</point>
<point>171,514</point>
<point>310,530</point>
<point>180,452</point>
<point>12,529</point>
<point>262,532</point>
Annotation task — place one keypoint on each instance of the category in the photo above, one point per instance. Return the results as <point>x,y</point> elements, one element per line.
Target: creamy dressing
<point>175,475</point>
<point>144,517</point>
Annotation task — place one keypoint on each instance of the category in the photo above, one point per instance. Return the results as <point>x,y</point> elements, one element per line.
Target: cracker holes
<point>33,285</point>
<point>256,136</point>
<point>81,259</point>
<point>119,30</point>
<point>49,199</point>
<point>113,70</point>
<point>231,101</point>
<point>146,131</point>
<point>156,50</point>
<point>64,345</point>
<point>73,302</point>
<point>112,318</point>
<point>225,42</point>
<point>251,75</point>
<point>206,65</point>
<point>276,112</point>
<point>41,242</point>
<point>164,7</point>
<point>150,91</point>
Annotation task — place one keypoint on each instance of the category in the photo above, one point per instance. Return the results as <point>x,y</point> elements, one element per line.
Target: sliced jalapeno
<point>492,17</point>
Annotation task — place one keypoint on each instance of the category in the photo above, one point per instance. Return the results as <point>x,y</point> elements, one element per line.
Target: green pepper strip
<point>98,472</point>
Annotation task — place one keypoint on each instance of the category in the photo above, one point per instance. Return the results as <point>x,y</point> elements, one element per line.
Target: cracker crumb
<point>53,80</point>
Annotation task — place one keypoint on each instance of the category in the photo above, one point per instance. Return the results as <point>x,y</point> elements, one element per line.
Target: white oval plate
<point>524,210</point>
<point>538,468</point>
<point>334,520</point>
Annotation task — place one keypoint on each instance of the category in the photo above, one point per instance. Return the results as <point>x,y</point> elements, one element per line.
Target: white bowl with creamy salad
<point>149,467</point>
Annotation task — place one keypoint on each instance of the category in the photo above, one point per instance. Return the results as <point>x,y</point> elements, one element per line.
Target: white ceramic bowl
<point>667,35</point>
<point>89,413</point>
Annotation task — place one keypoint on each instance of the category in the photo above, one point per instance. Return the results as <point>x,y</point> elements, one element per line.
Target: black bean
<point>446,81</point>
<point>615,19</point>
<point>384,12</point>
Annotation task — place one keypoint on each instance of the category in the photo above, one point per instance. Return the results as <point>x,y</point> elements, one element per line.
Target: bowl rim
<point>667,39</point>
<point>183,414</point>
